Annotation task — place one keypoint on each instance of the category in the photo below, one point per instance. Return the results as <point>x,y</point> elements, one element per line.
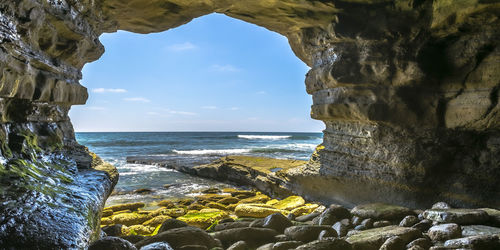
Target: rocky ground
<point>242,219</point>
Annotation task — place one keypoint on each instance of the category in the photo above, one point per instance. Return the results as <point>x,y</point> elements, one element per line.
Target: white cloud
<point>224,68</point>
<point>234,108</point>
<point>103,90</point>
<point>182,46</point>
<point>136,99</point>
<point>261,93</point>
<point>209,107</point>
<point>94,108</point>
<point>174,112</point>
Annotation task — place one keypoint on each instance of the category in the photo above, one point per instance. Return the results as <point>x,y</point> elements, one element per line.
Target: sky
<point>215,73</point>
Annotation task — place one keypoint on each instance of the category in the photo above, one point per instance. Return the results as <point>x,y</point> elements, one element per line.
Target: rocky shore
<point>250,219</point>
<point>241,219</point>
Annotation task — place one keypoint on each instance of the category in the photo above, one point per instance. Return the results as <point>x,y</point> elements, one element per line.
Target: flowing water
<point>188,148</point>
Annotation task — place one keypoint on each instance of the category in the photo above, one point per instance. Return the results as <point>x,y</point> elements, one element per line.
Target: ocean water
<point>188,148</point>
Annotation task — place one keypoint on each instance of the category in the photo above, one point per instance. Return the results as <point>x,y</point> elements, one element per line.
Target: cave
<point>408,91</point>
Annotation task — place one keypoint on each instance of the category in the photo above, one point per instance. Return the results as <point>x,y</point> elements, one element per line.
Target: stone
<point>229,200</point>
<point>113,230</point>
<point>474,230</point>
<point>157,246</point>
<point>216,205</point>
<point>393,243</point>
<point>254,237</point>
<point>333,214</point>
<point>178,237</point>
<point>277,221</point>
<point>307,217</point>
<point>133,238</point>
<point>458,216</point>
<point>106,212</point>
<point>257,223</point>
<point>256,210</point>
<point>330,244</point>
<point>130,219</point>
<point>112,243</point>
<point>367,223</point>
<point>445,232</point>
<point>306,233</point>
<point>193,247</point>
<point>137,229</point>
<point>342,227</point>
<point>171,224</point>
<point>408,221</point>
<point>479,242</point>
<point>494,216</point>
<point>355,220</point>
<point>129,206</point>
<point>212,190</point>
<point>324,234</point>
<point>285,245</point>
<point>374,238</point>
<point>156,220</point>
<point>239,245</point>
<point>423,225</point>
<point>416,247</point>
<point>229,225</point>
<point>440,205</point>
<point>143,191</point>
<point>290,203</point>
<point>166,203</point>
<point>381,223</point>
<point>304,210</point>
<point>423,243</point>
<point>203,219</point>
<point>380,211</point>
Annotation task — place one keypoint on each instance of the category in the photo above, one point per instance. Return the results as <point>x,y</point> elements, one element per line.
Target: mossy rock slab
<point>289,203</point>
<point>305,209</point>
<point>138,230</point>
<point>257,210</point>
<point>460,216</point>
<point>259,198</point>
<point>372,239</point>
<point>129,206</point>
<point>156,220</point>
<point>204,219</point>
<point>130,219</point>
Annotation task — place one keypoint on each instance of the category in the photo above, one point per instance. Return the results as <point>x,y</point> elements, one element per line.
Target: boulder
<point>480,242</point>
<point>277,221</point>
<point>239,245</point>
<point>474,230</point>
<point>156,221</point>
<point>444,232</point>
<point>409,221</point>
<point>290,203</point>
<point>456,215</point>
<point>157,246</point>
<point>203,219</point>
<point>333,214</point>
<point>381,211</point>
<point>111,243</point>
<point>256,210</point>
<point>329,244</point>
<point>129,219</point>
<point>114,230</point>
<point>393,243</point>
<point>179,237</point>
<point>342,227</point>
<point>171,224</point>
<point>128,206</point>
<point>307,233</point>
<point>253,236</point>
<point>374,238</point>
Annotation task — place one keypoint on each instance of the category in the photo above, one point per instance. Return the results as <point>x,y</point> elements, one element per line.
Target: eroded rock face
<point>408,90</point>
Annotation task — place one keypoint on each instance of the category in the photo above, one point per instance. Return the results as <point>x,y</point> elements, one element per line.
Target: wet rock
<point>285,245</point>
<point>355,220</point>
<point>216,205</point>
<point>211,190</point>
<point>416,248</point>
<point>333,214</point>
<point>441,205</point>
<point>282,237</point>
<point>381,223</point>
<point>239,245</point>
<point>257,223</point>
<point>367,223</point>
<point>106,212</point>
<point>330,244</point>
<point>179,237</point>
<point>307,217</point>
<point>324,234</point>
<point>166,203</point>
<point>481,242</point>
<point>156,221</point>
<point>304,210</point>
<point>420,242</point>
<point>203,219</point>
<point>229,200</point>
<point>133,238</point>
<point>289,203</point>
<point>143,191</point>
<point>114,230</point>
<point>252,236</point>
<point>444,232</point>
<point>306,233</point>
<point>423,225</point>
<point>474,230</point>
<point>342,227</point>
<point>193,247</point>
<point>360,228</point>
<point>229,225</point>
<point>291,216</point>
<point>171,224</point>
<point>112,243</point>
<point>393,243</point>
<point>157,246</point>
<point>494,216</point>
<point>256,210</point>
<point>129,206</point>
<point>458,216</point>
<point>374,238</point>
<point>380,211</point>
<point>408,221</point>
<point>129,219</point>
<point>277,221</point>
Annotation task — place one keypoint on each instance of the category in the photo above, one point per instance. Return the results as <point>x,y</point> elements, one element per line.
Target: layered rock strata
<point>408,90</point>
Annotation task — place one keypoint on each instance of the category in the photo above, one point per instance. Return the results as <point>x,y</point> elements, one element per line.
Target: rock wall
<point>408,90</point>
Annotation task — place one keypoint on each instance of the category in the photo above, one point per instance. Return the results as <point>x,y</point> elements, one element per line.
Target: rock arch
<point>408,90</point>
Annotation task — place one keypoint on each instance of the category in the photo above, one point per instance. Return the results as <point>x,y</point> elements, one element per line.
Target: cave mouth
<point>215,73</point>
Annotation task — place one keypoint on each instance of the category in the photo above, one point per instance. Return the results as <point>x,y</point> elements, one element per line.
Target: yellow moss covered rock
<point>166,203</point>
<point>203,219</point>
<point>196,206</point>
<point>216,205</point>
<point>229,200</point>
<point>257,210</point>
<point>290,203</point>
<point>303,210</point>
<point>107,212</point>
<point>156,220</point>
<point>129,219</point>
<point>128,206</point>
<point>106,221</point>
<point>259,198</point>
<point>137,230</point>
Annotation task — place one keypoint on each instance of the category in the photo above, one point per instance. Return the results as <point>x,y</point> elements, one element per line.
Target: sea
<point>189,149</point>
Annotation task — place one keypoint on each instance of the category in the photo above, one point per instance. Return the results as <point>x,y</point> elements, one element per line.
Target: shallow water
<point>188,148</point>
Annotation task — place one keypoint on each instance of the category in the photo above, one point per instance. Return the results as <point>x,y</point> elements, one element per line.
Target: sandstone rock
<point>179,237</point>
<point>459,216</point>
<point>277,221</point>
<point>306,233</point>
<point>374,238</point>
<point>330,244</point>
<point>256,210</point>
<point>111,243</point>
<point>474,230</point>
<point>379,211</point>
<point>157,246</point>
<point>445,232</point>
<point>408,221</point>
<point>252,236</point>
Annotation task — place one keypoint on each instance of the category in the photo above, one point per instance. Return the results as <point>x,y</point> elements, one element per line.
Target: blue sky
<point>215,73</point>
